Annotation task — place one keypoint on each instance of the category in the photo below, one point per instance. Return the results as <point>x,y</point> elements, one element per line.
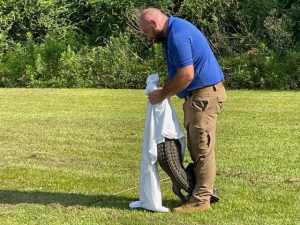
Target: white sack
<point>161,122</point>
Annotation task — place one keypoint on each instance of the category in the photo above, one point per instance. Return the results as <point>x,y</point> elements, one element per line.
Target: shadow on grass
<point>62,200</point>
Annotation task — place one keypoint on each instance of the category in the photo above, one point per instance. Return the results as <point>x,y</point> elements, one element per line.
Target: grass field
<point>63,149</point>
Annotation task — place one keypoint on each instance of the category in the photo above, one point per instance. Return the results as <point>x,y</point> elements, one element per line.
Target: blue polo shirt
<point>186,45</point>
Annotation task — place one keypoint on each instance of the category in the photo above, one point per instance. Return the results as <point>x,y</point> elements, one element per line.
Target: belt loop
<point>214,88</point>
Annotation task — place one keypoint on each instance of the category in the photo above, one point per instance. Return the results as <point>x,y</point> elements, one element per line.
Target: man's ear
<point>153,23</point>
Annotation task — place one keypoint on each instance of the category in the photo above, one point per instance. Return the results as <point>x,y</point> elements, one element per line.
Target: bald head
<point>151,14</point>
<point>153,23</point>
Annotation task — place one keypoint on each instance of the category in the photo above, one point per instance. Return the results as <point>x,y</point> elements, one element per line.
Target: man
<point>194,75</point>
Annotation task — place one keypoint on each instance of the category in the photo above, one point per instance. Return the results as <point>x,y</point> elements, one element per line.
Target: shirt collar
<point>170,21</point>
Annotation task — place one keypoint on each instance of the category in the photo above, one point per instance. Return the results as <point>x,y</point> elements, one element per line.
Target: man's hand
<point>156,96</point>
<point>183,78</point>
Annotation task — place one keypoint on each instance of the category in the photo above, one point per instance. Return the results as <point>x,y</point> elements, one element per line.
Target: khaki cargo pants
<point>200,120</point>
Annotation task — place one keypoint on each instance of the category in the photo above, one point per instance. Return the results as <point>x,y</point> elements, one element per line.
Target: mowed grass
<point>65,153</point>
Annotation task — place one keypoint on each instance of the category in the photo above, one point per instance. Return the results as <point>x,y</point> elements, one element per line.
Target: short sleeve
<point>181,52</point>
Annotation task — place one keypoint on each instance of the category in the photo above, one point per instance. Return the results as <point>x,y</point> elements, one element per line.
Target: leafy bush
<point>93,43</point>
<point>263,69</point>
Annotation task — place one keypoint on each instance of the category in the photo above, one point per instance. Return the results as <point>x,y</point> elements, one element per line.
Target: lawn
<point>67,153</point>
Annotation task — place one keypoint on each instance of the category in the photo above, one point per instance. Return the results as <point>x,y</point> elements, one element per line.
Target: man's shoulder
<point>182,28</point>
<point>179,21</point>
<point>179,30</point>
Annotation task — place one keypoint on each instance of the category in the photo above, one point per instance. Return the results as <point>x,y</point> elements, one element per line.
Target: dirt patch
<point>293,181</point>
<point>61,206</point>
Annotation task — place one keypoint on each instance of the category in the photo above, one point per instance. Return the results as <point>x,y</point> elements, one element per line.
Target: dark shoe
<point>215,197</point>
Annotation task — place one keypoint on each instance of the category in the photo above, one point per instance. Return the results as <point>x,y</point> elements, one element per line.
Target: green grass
<point>62,149</point>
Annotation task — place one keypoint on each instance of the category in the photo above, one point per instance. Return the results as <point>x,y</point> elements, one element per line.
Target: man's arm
<point>183,78</point>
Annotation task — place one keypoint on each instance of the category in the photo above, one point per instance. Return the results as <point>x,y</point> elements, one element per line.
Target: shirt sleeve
<point>181,52</point>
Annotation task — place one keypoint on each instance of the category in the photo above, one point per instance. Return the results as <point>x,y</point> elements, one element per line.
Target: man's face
<point>152,32</point>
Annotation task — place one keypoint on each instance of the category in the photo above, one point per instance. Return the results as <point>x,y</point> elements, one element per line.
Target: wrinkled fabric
<point>161,122</point>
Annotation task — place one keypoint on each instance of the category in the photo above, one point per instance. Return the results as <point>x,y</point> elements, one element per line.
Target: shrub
<point>91,43</point>
<point>263,69</point>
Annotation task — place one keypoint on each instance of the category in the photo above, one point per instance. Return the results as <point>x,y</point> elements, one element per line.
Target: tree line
<point>96,43</point>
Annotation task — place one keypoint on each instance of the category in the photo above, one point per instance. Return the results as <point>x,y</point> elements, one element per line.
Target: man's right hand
<point>156,96</point>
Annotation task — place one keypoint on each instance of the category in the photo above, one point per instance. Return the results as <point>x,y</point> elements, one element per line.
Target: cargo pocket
<point>200,103</point>
<point>201,146</point>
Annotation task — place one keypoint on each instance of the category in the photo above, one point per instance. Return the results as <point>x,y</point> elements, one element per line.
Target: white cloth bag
<point>161,122</point>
